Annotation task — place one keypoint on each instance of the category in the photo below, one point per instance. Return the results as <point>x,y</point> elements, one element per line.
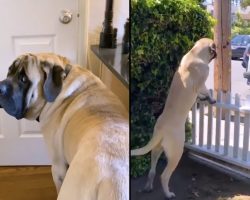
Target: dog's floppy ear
<point>54,75</point>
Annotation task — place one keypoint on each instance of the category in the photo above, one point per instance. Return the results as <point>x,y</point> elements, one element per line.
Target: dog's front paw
<point>202,98</point>
<point>207,98</point>
<point>211,101</point>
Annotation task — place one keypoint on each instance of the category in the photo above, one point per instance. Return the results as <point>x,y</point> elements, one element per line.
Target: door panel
<point>35,44</point>
<point>31,26</point>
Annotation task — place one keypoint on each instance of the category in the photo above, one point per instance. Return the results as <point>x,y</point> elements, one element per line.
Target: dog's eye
<point>23,79</point>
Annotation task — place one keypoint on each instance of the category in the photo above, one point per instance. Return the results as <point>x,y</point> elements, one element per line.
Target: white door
<point>31,26</point>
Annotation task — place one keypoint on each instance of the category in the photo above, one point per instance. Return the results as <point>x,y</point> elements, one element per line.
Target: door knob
<point>66,16</point>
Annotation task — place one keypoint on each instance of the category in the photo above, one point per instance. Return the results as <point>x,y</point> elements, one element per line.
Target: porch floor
<point>193,181</point>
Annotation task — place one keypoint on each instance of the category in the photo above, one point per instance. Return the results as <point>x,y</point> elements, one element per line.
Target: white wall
<point>95,20</point>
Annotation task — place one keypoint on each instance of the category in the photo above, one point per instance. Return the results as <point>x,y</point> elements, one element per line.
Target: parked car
<point>238,45</point>
<point>245,63</point>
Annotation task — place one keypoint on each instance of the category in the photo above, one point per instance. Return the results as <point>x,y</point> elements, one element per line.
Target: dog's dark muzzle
<point>5,88</point>
<point>214,54</point>
<point>11,101</point>
<point>212,51</point>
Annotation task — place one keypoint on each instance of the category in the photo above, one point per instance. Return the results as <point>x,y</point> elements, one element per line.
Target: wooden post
<point>222,38</point>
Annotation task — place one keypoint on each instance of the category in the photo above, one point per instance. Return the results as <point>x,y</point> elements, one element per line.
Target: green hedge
<point>162,31</point>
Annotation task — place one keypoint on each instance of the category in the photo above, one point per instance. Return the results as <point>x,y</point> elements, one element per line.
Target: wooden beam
<point>222,38</point>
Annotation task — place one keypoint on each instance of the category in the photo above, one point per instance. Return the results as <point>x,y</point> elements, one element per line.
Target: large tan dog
<point>85,126</point>
<point>169,131</point>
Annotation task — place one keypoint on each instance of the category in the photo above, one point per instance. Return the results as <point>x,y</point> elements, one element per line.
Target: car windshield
<point>241,40</point>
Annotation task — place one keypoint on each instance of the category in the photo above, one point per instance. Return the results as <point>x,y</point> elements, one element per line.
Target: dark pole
<point>125,40</point>
<point>109,5</point>
<point>108,34</point>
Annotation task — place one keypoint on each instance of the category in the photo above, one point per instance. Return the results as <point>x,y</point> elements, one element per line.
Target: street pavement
<point>238,82</point>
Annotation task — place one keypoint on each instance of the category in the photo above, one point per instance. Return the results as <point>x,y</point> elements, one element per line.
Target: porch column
<point>222,38</point>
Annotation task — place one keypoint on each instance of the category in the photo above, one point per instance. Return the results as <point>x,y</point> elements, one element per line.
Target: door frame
<point>83,15</point>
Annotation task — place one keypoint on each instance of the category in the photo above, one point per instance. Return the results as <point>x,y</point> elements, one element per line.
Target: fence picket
<point>246,138</point>
<point>231,155</point>
<point>218,123</point>
<point>236,127</point>
<point>210,124</point>
<point>194,108</point>
<point>201,124</point>
<point>227,124</point>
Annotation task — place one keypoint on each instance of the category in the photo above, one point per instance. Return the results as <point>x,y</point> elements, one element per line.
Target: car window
<point>248,39</point>
<point>237,40</point>
<point>241,40</point>
<point>245,40</point>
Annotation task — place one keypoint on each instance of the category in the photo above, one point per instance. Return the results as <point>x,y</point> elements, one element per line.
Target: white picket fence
<point>221,130</point>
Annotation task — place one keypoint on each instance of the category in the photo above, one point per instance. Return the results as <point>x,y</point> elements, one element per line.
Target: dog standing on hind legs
<point>169,132</point>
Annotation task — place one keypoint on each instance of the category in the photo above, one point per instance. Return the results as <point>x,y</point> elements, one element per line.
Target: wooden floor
<point>26,183</point>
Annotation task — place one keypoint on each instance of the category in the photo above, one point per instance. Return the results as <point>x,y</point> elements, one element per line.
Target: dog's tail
<point>144,150</point>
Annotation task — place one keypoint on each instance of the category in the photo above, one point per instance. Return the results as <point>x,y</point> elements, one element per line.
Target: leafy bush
<point>162,31</point>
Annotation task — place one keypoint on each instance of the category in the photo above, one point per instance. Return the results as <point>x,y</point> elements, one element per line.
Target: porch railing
<point>221,130</point>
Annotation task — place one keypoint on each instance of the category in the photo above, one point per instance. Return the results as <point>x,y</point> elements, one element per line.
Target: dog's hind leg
<point>173,148</point>
<point>155,155</point>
